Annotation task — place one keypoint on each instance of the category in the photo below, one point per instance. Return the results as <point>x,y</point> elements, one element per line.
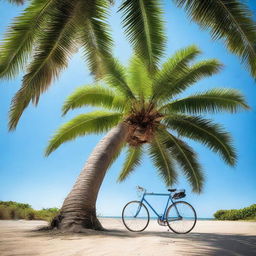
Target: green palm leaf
<point>162,161</point>
<point>19,39</point>
<point>187,159</point>
<point>116,77</point>
<point>139,79</point>
<point>51,57</point>
<point>95,35</point>
<point>212,101</point>
<point>230,20</point>
<point>133,159</point>
<point>211,135</point>
<point>173,68</point>
<point>93,122</point>
<point>188,77</point>
<point>143,25</point>
<point>117,154</point>
<point>96,96</point>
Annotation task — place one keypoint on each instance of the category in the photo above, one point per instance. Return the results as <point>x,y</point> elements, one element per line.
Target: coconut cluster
<point>142,124</point>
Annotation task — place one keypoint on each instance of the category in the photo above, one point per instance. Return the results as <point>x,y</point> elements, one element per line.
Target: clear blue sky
<point>27,176</point>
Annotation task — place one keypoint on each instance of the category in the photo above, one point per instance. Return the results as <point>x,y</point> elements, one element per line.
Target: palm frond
<point>172,69</point>
<point>213,101</point>
<point>117,154</point>
<point>96,96</point>
<point>205,131</point>
<point>187,159</point>
<point>228,20</point>
<point>19,40</point>
<point>95,35</point>
<point>18,2</point>
<point>162,160</point>
<point>54,50</point>
<point>138,78</point>
<point>116,77</point>
<point>143,25</point>
<point>133,159</point>
<point>188,77</point>
<point>93,122</point>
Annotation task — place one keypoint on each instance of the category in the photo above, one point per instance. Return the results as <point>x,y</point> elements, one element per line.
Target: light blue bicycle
<point>179,216</point>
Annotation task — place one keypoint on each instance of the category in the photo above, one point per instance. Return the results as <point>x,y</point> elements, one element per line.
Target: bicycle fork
<point>136,214</point>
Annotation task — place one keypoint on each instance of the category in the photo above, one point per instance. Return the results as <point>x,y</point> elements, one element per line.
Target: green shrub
<point>47,213</point>
<point>30,214</point>
<point>4,213</point>
<point>218,215</point>
<point>246,213</point>
<point>12,210</point>
<point>15,204</point>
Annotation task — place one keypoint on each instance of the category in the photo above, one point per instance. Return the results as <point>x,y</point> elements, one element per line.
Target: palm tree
<point>43,38</point>
<point>144,115</point>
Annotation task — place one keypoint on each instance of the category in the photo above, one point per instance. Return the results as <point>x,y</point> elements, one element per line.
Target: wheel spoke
<point>135,216</point>
<point>181,217</point>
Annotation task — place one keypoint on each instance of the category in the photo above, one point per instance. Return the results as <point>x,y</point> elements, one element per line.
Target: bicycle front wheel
<point>181,217</point>
<point>135,216</point>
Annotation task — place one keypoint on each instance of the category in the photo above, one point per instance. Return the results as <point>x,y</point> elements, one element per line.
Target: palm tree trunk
<point>78,211</point>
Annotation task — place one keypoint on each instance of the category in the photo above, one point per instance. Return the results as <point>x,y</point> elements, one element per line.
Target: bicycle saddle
<point>172,189</point>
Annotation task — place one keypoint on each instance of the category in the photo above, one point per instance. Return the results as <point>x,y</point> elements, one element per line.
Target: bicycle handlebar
<point>140,188</point>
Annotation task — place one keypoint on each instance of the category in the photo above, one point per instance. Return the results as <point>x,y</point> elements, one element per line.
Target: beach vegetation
<point>10,210</point>
<point>247,213</point>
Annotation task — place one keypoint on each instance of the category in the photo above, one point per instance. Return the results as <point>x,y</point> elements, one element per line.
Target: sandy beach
<point>208,238</point>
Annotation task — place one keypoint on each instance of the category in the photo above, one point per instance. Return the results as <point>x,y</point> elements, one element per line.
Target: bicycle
<point>179,216</point>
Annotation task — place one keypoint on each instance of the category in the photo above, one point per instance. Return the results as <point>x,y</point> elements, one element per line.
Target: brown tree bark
<point>78,211</point>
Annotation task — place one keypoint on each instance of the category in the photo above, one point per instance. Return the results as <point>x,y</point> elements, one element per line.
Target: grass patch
<point>10,210</point>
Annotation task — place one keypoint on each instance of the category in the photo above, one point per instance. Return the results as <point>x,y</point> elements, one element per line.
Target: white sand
<point>207,238</point>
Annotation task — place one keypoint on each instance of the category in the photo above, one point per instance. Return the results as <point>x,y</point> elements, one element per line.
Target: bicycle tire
<point>170,223</point>
<point>124,218</point>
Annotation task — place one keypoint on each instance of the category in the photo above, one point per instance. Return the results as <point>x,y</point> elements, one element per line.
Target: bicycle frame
<point>162,218</point>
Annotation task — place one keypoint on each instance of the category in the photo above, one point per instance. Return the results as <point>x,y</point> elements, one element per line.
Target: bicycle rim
<point>135,216</point>
<point>185,222</point>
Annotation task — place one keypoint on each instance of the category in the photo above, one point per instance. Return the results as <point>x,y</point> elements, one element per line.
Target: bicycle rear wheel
<point>135,216</point>
<point>181,217</point>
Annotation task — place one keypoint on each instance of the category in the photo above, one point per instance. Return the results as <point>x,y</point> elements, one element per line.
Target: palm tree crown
<point>148,104</point>
<point>42,39</point>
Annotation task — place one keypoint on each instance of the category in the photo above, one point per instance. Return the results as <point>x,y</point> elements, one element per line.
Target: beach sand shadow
<point>212,244</point>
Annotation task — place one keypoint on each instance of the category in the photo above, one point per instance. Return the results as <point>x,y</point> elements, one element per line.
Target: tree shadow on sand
<point>193,243</point>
